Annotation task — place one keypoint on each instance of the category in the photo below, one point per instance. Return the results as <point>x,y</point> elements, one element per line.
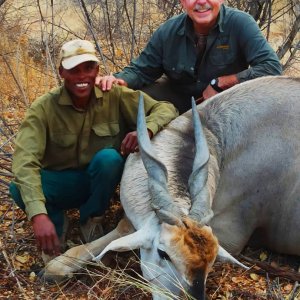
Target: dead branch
<point>8,141</point>
<point>6,157</point>
<point>12,273</point>
<point>293,293</point>
<point>6,126</point>
<point>291,58</point>
<point>282,50</point>
<point>90,26</point>
<point>45,41</point>
<point>276,272</point>
<point>2,182</point>
<point>25,99</point>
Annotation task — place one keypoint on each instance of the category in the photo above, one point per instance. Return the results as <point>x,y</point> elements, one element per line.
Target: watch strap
<point>215,86</point>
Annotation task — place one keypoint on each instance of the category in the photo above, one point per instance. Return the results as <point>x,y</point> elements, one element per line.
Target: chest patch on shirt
<point>224,47</point>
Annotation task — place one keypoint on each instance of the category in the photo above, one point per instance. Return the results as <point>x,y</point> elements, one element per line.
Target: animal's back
<point>258,126</point>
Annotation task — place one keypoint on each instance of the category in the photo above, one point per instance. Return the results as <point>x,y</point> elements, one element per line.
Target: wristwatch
<point>215,85</point>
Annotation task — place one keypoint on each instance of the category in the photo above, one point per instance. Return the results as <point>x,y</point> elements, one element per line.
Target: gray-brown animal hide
<point>253,133</point>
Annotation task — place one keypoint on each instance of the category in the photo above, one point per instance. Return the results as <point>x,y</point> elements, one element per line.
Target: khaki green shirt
<point>56,136</point>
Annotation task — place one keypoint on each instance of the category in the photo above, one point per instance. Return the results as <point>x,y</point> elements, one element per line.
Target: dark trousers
<point>163,89</point>
<point>89,189</point>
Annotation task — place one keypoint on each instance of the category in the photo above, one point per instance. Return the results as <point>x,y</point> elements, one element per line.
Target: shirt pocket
<point>222,52</point>
<point>106,129</point>
<point>179,72</point>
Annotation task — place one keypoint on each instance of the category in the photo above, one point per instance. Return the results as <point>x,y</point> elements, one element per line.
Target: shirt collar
<point>221,18</point>
<point>65,98</point>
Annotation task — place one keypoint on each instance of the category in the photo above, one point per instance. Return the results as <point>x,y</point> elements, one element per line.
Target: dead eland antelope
<point>238,179</point>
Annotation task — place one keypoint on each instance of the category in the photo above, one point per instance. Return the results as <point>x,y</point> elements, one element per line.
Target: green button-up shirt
<point>56,136</point>
<point>235,45</point>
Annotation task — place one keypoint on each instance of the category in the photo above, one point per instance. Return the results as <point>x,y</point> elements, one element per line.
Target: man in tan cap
<point>71,148</point>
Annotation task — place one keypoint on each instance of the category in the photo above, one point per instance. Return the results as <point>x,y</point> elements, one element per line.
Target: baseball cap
<point>76,52</point>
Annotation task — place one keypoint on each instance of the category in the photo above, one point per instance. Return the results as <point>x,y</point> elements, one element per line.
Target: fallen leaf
<point>20,230</point>
<point>253,276</point>
<point>32,276</point>
<point>288,287</point>
<point>236,279</point>
<point>263,256</point>
<point>23,259</point>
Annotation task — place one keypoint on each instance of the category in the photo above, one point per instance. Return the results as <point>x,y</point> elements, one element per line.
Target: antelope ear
<point>225,256</point>
<point>136,240</point>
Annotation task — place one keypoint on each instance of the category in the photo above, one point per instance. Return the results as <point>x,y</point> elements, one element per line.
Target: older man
<point>70,148</point>
<point>201,52</point>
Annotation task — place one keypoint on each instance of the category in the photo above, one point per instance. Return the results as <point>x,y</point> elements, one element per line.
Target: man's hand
<point>45,234</point>
<point>130,142</point>
<point>105,82</point>
<point>209,92</point>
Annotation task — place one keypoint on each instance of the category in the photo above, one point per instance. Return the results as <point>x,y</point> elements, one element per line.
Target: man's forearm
<point>227,81</point>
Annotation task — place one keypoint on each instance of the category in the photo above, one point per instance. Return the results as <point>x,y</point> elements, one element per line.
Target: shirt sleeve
<point>148,67</point>
<point>158,113</point>
<point>259,54</point>
<point>29,150</point>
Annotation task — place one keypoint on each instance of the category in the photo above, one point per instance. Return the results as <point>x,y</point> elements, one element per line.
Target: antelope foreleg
<point>74,259</point>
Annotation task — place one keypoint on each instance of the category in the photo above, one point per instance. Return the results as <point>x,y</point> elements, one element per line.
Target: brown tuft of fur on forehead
<point>197,245</point>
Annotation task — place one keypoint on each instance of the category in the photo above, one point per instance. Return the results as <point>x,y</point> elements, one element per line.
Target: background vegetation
<point>32,33</point>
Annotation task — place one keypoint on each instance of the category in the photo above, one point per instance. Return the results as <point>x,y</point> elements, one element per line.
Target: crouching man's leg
<point>104,171</point>
<point>63,190</point>
<point>57,216</point>
<point>91,190</point>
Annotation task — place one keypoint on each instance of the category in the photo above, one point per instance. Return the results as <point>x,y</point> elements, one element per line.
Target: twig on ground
<point>3,182</point>
<point>6,125</point>
<point>8,141</point>
<point>293,292</point>
<point>12,272</point>
<point>5,174</point>
<point>277,272</point>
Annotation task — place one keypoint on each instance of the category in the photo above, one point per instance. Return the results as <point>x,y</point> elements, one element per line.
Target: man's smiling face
<point>80,80</point>
<point>204,13</point>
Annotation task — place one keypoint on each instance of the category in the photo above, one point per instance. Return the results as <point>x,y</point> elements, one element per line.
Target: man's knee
<point>159,90</point>
<point>107,160</point>
<point>164,90</point>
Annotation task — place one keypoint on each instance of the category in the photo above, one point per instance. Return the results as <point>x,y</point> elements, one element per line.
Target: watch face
<point>213,82</point>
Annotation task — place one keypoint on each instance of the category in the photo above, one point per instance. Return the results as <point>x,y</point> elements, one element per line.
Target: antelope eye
<point>163,255</point>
